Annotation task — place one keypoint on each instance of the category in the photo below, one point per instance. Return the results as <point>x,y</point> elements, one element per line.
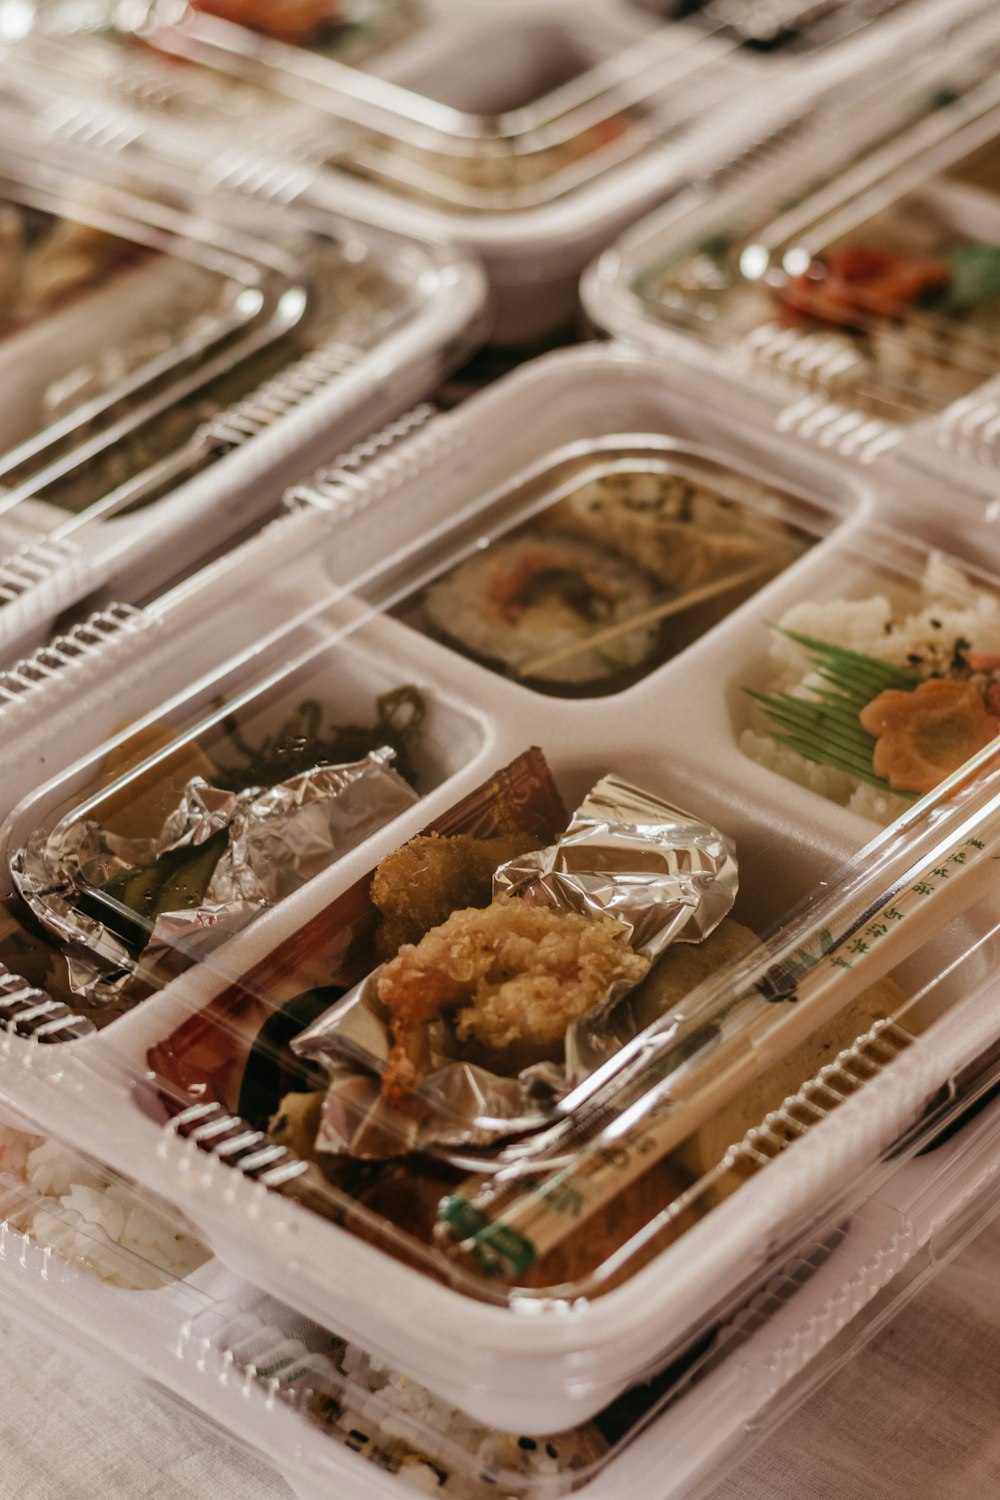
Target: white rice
<point>434,1447</point>
<point>925,627</point>
<point>96,1222</point>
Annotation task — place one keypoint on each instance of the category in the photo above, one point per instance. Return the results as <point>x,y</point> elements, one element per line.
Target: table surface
<point>913,1417</point>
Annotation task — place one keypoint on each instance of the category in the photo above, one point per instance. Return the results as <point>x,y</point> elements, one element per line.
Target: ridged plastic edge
<point>402,449</point>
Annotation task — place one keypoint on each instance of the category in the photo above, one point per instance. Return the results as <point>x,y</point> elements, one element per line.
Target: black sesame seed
<point>528,1444</point>
<point>552,1450</point>
<point>914,657</point>
<point>936,624</point>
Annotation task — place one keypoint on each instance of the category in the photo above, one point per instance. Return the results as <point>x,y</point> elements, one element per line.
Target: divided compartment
<point>273,717</point>
<point>607,559</point>
<point>905,615</point>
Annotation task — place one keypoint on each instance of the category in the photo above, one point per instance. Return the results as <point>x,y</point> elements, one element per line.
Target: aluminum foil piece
<point>626,854</point>
<point>277,839</point>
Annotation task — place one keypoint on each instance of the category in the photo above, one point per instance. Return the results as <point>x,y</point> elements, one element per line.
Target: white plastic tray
<point>209,1339</point>
<point>531,1364</point>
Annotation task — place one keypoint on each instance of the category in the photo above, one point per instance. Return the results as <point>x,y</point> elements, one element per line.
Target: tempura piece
<point>418,886</point>
<point>513,977</point>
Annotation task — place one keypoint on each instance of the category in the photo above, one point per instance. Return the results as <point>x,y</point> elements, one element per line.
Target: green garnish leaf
<point>825,727</point>
<point>715,245</point>
<point>975,279</point>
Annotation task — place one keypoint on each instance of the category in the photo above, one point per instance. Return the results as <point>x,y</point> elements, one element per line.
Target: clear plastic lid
<point>574,1116</point>
<point>187,432</point>
<point>485,110</point>
<point>114,307</point>
<point>866,283</point>
<point>89,1253</point>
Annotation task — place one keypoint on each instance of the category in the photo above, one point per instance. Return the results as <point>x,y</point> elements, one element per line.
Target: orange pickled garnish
<point>859,283</point>
<point>925,735</point>
<point>300,21</point>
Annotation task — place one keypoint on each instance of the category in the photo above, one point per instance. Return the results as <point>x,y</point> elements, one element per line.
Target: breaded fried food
<point>419,886</point>
<point>512,977</point>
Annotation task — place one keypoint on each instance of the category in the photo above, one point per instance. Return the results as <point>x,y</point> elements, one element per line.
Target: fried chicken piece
<point>419,886</point>
<point>514,976</point>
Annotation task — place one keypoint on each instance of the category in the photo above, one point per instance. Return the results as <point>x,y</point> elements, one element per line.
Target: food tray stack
<point>187,360</point>
<point>160,1047</point>
<point>289,1389</point>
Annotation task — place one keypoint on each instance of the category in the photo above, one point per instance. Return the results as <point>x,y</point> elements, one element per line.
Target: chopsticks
<point>689,1065</point>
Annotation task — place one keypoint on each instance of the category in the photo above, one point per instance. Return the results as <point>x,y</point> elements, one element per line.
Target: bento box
<point>527,134</point>
<point>113,307</point>
<point>83,1250</point>
<point>202,996</point>
<point>860,294</point>
<point>193,372</point>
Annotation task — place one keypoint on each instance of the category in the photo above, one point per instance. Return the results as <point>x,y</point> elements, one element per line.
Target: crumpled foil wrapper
<point>626,854</point>
<point>278,838</point>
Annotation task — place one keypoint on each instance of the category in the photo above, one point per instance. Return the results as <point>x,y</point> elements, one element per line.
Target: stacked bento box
<point>499,928</point>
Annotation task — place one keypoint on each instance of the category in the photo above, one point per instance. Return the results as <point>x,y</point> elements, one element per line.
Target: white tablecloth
<point>916,1416</point>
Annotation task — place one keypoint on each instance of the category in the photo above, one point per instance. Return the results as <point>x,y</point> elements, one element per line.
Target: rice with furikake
<point>874,701</point>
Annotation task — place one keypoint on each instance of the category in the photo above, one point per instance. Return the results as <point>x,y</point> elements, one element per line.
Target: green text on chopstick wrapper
<point>499,1250</point>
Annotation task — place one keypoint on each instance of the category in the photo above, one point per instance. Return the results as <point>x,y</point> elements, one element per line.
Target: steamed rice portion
<point>418,1436</point>
<point>90,1219</point>
<point>918,635</point>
